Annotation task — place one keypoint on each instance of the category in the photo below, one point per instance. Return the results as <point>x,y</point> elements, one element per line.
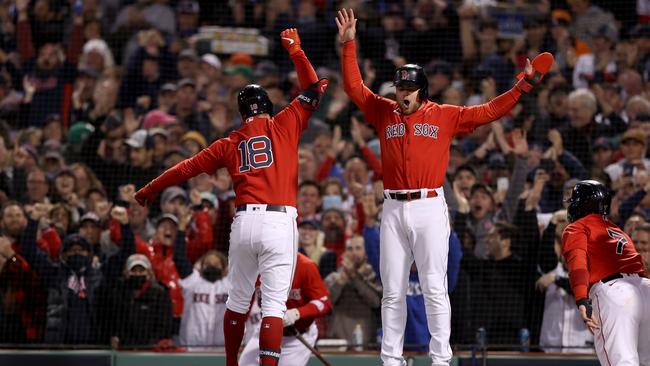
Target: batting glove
<point>290,317</point>
<point>144,196</point>
<point>310,97</point>
<point>587,304</point>
<point>540,66</point>
<point>291,40</point>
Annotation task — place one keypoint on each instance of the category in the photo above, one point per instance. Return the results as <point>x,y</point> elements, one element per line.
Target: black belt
<point>409,196</point>
<point>616,276</point>
<point>274,208</point>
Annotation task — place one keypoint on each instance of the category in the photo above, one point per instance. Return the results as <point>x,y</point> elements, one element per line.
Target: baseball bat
<point>309,346</point>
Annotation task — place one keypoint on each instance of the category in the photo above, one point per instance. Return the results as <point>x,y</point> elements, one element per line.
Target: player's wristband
<point>587,304</point>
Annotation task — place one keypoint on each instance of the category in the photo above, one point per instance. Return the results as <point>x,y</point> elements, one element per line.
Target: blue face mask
<point>332,201</point>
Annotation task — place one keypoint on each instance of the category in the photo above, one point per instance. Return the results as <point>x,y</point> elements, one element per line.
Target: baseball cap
<point>137,260</point>
<point>168,88</point>
<point>172,193</point>
<point>439,67</point>
<point>497,161</point>
<point>138,139</point>
<point>186,82</point>
<point>240,58</point>
<point>65,171</point>
<point>607,31</point>
<point>196,137</point>
<point>211,60</point>
<point>78,132</point>
<point>641,31</point>
<point>75,239</point>
<point>266,68</point>
<point>157,118</point>
<point>90,217</point>
<point>188,7</point>
<point>635,134</point>
<point>159,132</point>
<point>240,69</point>
<point>53,155</point>
<point>602,143</point>
<point>169,217</point>
<point>211,198</point>
<point>309,222</point>
<point>188,53</point>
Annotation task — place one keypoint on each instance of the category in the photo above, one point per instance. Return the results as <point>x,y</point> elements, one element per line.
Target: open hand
<point>347,24</point>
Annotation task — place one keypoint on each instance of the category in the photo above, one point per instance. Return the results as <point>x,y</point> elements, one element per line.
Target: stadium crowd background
<point>99,97</point>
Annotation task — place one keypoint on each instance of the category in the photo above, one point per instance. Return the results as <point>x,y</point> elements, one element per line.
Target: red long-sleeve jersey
<point>261,156</point>
<point>308,293</point>
<point>595,248</point>
<point>415,147</point>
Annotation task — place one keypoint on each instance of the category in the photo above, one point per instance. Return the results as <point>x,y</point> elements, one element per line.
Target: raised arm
<point>471,117</point>
<point>353,84</point>
<point>206,161</point>
<point>304,69</point>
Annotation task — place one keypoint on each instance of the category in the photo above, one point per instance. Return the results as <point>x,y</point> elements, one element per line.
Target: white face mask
<point>332,201</point>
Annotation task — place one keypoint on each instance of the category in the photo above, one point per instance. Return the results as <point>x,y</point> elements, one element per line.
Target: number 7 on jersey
<point>621,240</point>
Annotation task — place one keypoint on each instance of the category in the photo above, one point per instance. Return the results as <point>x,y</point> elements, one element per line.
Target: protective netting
<point>99,97</point>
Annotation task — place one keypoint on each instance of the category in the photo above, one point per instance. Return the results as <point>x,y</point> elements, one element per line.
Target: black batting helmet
<point>414,75</point>
<point>588,197</point>
<point>254,100</point>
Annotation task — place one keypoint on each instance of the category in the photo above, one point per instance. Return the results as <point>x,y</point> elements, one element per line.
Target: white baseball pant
<point>264,242</point>
<point>294,353</point>
<point>621,307</point>
<point>415,230</point>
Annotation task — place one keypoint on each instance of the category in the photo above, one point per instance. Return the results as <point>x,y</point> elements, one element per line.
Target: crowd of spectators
<point>99,97</point>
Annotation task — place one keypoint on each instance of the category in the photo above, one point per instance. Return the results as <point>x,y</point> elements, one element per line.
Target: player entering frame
<point>262,159</point>
<point>415,135</point>
<point>609,283</point>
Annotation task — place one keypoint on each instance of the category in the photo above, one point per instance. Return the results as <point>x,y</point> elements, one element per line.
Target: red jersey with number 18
<point>261,156</point>
<point>595,248</point>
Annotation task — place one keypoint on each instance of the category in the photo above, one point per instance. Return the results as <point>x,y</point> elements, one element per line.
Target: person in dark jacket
<point>73,282</point>
<point>140,312</point>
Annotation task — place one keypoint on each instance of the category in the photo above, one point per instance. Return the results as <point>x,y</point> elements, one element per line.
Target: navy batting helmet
<point>411,74</point>
<point>254,100</point>
<point>588,197</point>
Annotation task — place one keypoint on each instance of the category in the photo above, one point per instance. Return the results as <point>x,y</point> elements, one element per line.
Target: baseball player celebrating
<point>610,287</point>
<point>415,135</point>
<point>262,159</point>
<point>308,300</point>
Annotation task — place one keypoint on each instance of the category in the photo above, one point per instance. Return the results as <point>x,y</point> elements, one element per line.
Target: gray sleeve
<point>515,188</point>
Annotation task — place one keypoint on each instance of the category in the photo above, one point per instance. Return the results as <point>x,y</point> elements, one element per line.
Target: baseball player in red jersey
<point>262,159</point>
<point>610,287</point>
<point>308,300</point>
<point>415,135</point>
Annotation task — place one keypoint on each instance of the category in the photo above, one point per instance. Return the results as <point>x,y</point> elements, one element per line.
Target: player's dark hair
<point>12,203</point>
<point>308,183</point>
<point>505,230</point>
<point>466,168</point>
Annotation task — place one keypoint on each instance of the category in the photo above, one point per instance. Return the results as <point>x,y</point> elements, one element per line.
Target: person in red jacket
<point>262,159</point>
<point>607,277</point>
<point>308,300</point>
<point>415,135</point>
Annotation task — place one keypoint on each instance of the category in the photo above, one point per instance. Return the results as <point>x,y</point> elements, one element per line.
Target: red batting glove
<point>290,40</point>
<point>144,196</point>
<point>540,66</point>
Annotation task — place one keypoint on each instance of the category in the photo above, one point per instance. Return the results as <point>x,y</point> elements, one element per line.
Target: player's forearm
<point>315,309</point>
<point>492,110</point>
<point>304,69</point>
<point>352,80</point>
<point>186,169</point>
<point>578,274</point>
